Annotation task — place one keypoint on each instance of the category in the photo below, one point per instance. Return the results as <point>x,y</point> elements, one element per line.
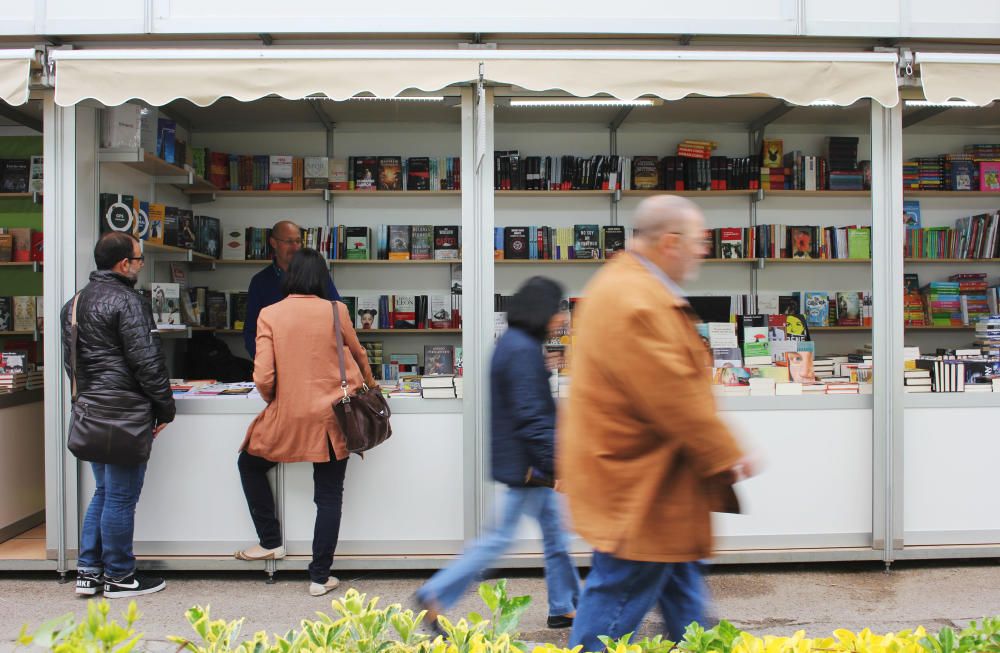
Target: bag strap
<point>340,352</point>
<point>73,337</point>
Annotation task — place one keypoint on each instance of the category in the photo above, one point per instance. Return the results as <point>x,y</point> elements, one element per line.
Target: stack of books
<point>438,386</point>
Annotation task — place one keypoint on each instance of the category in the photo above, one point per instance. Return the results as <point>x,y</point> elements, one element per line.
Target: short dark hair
<point>112,248</point>
<point>533,305</point>
<point>308,274</point>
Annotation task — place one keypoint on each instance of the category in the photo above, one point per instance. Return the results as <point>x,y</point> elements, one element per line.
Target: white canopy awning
<point>113,77</point>
<point>971,77</point>
<point>798,77</point>
<point>15,74</point>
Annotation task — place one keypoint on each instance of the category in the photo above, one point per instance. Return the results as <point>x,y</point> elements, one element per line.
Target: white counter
<point>22,465</point>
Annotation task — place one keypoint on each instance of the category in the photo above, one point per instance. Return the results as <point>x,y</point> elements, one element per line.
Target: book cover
<point>645,173</point>
<point>800,366</point>
<point>36,182</point>
<point>911,214</point>
<point>116,213</point>
<point>404,312</point>
<point>446,243</point>
<point>390,173</point>
<point>166,303</point>
<point>911,282</point>
<point>790,303</point>
<point>755,343</point>
<point>356,246</point>
<point>614,239</point>
<point>279,173</point>
<point>817,308</point>
<point>399,242</point>
<point>421,242</point>
<point>801,242</point>
<point>6,314</point>
<point>776,326</point>
<point>156,213</point>
<point>238,310</point>
<point>439,359</point>
<point>772,153</point>
<point>6,248</point>
<point>186,236</point>
<point>727,357</point>
<point>796,328</point>
<point>234,245</point>
<point>217,309</point>
<point>171,221</point>
<point>366,313</point>
<point>21,251</point>
<point>24,312</point>
<point>849,309</point>
<point>140,223</point>
<point>338,179</point>
<point>731,242</point>
<point>365,172</point>
<point>515,243</point>
<point>439,312</point>
<point>315,172</point>
<point>37,246</point>
<point>859,242</point>
<point>166,134</point>
<point>418,173</point>
<point>586,241</point>
<point>989,176</point>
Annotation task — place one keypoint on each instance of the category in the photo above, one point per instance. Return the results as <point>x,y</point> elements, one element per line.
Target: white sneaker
<point>315,589</point>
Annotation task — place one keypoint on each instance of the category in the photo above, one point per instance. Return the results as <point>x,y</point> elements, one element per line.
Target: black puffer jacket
<point>117,350</point>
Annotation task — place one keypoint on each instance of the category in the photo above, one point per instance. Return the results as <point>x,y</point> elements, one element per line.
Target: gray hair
<point>661,214</point>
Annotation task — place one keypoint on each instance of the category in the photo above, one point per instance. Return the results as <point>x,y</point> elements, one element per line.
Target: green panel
<point>20,212</point>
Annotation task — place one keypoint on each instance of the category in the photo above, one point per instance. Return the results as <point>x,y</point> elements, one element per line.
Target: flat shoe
<point>257,552</point>
<point>559,621</point>
<point>317,589</point>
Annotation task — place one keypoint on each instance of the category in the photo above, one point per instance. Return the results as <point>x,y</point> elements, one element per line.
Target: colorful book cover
<point>366,313</point>
<point>390,173</point>
<point>849,309</point>
<point>817,309</point>
<point>801,242</point>
<point>446,242</point>
<point>989,176</point>
<point>280,172</point>
<point>911,214</point>
<point>859,242</point>
<point>439,359</point>
<point>399,242</point>
<point>731,242</point>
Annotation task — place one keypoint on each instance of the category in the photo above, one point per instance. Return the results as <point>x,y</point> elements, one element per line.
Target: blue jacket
<point>265,289</point>
<point>523,413</point>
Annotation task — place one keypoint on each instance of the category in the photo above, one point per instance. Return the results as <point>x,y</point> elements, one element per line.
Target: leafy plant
<point>504,611</point>
<point>718,639</point>
<point>983,636</point>
<point>95,634</point>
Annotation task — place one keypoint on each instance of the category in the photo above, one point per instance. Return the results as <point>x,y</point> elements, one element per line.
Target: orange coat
<point>641,451</point>
<point>297,374</point>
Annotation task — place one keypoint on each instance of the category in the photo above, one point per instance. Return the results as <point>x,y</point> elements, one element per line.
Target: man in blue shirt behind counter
<point>265,287</point>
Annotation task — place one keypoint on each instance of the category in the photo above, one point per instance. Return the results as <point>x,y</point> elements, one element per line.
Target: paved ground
<point>763,599</point>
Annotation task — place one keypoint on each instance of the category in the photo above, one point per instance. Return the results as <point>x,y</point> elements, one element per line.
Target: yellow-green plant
<point>95,634</point>
<point>504,611</point>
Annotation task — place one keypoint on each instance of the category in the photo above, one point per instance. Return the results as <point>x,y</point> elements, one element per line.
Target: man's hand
<point>558,487</point>
<point>744,468</point>
<point>157,429</point>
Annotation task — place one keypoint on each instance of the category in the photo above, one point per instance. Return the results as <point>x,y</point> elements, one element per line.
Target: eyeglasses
<point>290,241</point>
<point>141,257</point>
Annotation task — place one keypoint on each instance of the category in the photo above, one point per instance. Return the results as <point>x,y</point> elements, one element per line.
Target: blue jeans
<point>106,537</point>
<point>618,594</point>
<point>561,577</point>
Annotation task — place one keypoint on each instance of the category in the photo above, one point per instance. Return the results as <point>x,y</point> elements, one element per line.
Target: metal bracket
<point>770,116</point>
<point>180,180</point>
<point>326,194</point>
<point>36,197</point>
<point>921,115</point>
<point>759,264</point>
<point>617,121</point>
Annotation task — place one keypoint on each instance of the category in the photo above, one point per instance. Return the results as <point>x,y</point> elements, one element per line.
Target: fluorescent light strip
<point>428,98</point>
<point>582,102</point>
<point>950,104</point>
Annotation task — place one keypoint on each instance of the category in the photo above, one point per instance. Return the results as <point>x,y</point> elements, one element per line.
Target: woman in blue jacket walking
<point>523,437</point>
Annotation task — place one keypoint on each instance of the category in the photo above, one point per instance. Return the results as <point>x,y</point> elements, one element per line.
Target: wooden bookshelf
<point>229,332</point>
<point>16,333</point>
<point>819,261</point>
<point>952,193</point>
<point>19,196</point>
<point>543,261</point>
<point>21,264</point>
<point>406,332</point>
<point>257,262</point>
<point>958,261</point>
<point>553,193</point>
<point>396,193</point>
<point>155,248</point>
<point>344,261</point>
<point>256,193</point>
<point>689,193</point>
<point>962,327</point>
<point>840,328</point>
<point>817,193</point>
<point>154,166</point>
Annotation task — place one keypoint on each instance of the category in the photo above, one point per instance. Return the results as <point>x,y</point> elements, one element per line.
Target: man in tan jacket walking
<point>642,454</point>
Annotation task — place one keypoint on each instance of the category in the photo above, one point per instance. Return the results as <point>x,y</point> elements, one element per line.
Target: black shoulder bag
<point>103,428</point>
<point>363,416</point>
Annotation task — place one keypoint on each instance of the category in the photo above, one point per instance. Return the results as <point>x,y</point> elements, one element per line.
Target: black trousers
<point>328,495</point>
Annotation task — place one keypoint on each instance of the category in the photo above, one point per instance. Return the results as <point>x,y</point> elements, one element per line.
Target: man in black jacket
<point>117,353</point>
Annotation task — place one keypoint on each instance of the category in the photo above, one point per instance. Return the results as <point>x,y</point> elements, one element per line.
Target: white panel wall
<point>22,466</point>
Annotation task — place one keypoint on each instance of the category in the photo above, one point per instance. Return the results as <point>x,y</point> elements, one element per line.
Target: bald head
<point>663,214</point>
<point>670,233</point>
<point>286,239</point>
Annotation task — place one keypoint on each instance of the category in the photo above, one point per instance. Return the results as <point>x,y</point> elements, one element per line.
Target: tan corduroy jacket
<point>297,374</point>
<point>641,451</point>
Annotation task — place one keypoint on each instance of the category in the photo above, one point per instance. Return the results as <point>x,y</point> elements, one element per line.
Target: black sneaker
<point>130,586</point>
<point>559,621</point>
<point>88,584</point>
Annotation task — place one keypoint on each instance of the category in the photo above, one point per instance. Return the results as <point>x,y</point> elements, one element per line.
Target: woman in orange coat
<point>297,372</point>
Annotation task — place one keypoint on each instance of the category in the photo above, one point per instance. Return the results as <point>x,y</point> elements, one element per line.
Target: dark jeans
<point>618,593</point>
<point>108,526</point>
<point>328,495</point>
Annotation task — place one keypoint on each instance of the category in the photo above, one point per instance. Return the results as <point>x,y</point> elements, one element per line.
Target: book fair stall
<point>435,182</point>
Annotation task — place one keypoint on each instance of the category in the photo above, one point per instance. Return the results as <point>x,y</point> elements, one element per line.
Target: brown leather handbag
<point>363,416</point>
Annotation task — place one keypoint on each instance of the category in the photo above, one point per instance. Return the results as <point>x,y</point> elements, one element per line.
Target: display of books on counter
<point>438,386</point>
<point>970,369</point>
<point>212,388</point>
